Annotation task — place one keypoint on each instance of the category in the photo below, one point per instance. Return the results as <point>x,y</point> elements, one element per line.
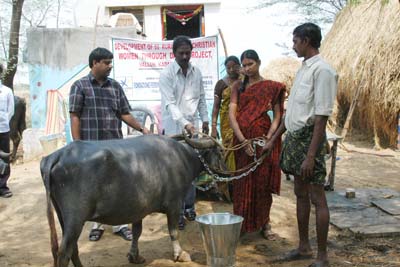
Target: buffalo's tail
<point>45,167</point>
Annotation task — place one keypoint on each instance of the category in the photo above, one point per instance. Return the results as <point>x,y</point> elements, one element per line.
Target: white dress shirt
<point>6,108</point>
<point>313,93</point>
<point>182,98</point>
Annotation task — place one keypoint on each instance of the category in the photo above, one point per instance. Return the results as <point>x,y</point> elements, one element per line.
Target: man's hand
<point>206,128</point>
<point>307,167</point>
<point>190,129</point>
<point>267,149</point>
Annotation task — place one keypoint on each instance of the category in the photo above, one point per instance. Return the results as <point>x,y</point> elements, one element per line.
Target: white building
<point>159,19</point>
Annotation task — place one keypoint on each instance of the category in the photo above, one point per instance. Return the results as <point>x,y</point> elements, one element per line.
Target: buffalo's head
<point>211,152</point>
<point>3,164</point>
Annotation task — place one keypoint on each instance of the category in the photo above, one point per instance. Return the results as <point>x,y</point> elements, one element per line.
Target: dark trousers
<point>5,147</point>
<point>190,198</point>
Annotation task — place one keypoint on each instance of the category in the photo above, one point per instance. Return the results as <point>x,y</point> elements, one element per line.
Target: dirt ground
<point>24,233</point>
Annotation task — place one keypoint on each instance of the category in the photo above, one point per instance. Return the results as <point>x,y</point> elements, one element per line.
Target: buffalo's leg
<point>133,255</point>
<point>173,218</point>
<point>69,245</point>
<point>16,140</point>
<point>75,256</point>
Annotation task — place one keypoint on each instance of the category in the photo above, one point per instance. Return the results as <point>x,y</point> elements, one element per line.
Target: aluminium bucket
<point>220,233</point>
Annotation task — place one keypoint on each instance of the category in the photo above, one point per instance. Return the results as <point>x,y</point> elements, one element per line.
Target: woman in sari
<point>248,113</point>
<point>222,96</point>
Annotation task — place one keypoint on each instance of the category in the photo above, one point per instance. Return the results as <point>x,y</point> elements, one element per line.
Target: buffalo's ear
<point>4,155</point>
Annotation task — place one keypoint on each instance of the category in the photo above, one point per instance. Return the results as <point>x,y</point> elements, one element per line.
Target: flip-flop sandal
<point>125,233</point>
<point>269,235</point>
<point>95,234</point>
<point>190,215</point>
<point>294,255</point>
<point>6,194</point>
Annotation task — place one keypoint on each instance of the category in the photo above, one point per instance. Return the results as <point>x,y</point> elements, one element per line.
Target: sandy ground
<point>24,233</point>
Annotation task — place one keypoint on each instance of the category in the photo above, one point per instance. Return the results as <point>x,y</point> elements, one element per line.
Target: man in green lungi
<point>310,103</point>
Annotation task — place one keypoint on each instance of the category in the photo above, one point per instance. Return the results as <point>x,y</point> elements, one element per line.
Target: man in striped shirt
<point>97,106</point>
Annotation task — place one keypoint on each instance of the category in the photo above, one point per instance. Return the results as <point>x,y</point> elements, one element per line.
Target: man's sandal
<point>95,234</point>
<point>125,233</point>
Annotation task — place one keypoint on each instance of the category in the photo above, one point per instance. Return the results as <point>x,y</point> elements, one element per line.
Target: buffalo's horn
<point>177,137</point>
<point>4,155</point>
<point>202,143</point>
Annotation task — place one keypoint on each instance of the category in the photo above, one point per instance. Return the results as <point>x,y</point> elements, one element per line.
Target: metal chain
<point>230,178</point>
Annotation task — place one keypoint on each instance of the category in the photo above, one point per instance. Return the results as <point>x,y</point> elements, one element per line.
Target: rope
<point>260,141</point>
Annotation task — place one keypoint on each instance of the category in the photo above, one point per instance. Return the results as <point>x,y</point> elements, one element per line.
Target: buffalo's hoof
<point>183,257</point>
<point>135,259</point>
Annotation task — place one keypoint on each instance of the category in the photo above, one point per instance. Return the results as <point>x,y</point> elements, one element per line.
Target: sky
<point>244,28</point>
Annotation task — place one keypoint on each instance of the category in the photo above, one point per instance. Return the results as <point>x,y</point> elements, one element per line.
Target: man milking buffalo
<point>97,106</point>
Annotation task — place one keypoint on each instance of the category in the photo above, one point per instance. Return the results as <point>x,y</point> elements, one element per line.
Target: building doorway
<point>183,20</point>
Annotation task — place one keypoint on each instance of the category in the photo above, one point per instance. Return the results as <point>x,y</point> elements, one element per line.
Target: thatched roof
<point>282,70</point>
<point>364,47</point>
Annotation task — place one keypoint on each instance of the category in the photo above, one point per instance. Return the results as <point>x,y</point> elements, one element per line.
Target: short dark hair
<point>179,41</point>
<point>98,54</point>
<point>232,58</point>
<point>311,31</point>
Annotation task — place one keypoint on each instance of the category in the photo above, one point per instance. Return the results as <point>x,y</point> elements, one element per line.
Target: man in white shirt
<point>182,103</point>
<point>310,104</point>
<point>6,112</point>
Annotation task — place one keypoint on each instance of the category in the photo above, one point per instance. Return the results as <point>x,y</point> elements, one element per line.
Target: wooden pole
<point>351,110</point>
<point>223,42</point>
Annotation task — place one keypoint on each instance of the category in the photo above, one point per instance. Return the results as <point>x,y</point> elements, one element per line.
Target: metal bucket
<point>220,233</point>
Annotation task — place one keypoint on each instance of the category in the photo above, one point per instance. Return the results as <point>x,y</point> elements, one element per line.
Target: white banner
<point>138,63</point>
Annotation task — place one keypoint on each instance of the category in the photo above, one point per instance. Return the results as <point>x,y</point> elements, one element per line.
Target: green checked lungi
<point>294,151</point>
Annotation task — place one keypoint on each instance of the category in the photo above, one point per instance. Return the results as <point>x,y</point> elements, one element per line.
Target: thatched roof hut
<point>364,47</point>
<point>282,70</point>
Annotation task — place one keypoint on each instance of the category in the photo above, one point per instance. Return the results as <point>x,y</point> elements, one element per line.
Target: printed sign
<point>138,63</point>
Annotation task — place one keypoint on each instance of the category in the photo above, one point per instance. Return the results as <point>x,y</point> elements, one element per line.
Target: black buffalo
<point>121,181</point>
<point>17,125</point>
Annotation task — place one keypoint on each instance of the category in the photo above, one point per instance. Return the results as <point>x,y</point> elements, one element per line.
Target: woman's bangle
<point>245,140</point>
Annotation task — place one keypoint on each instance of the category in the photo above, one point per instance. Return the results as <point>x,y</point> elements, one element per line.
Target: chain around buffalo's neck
<point>252,167</point>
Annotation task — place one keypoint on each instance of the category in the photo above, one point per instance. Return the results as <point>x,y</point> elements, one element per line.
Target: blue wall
<point>41,79</point>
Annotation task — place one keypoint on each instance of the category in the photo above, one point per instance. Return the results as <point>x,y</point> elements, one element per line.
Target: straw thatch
<point>282,70</point>
<point>364,47</point>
